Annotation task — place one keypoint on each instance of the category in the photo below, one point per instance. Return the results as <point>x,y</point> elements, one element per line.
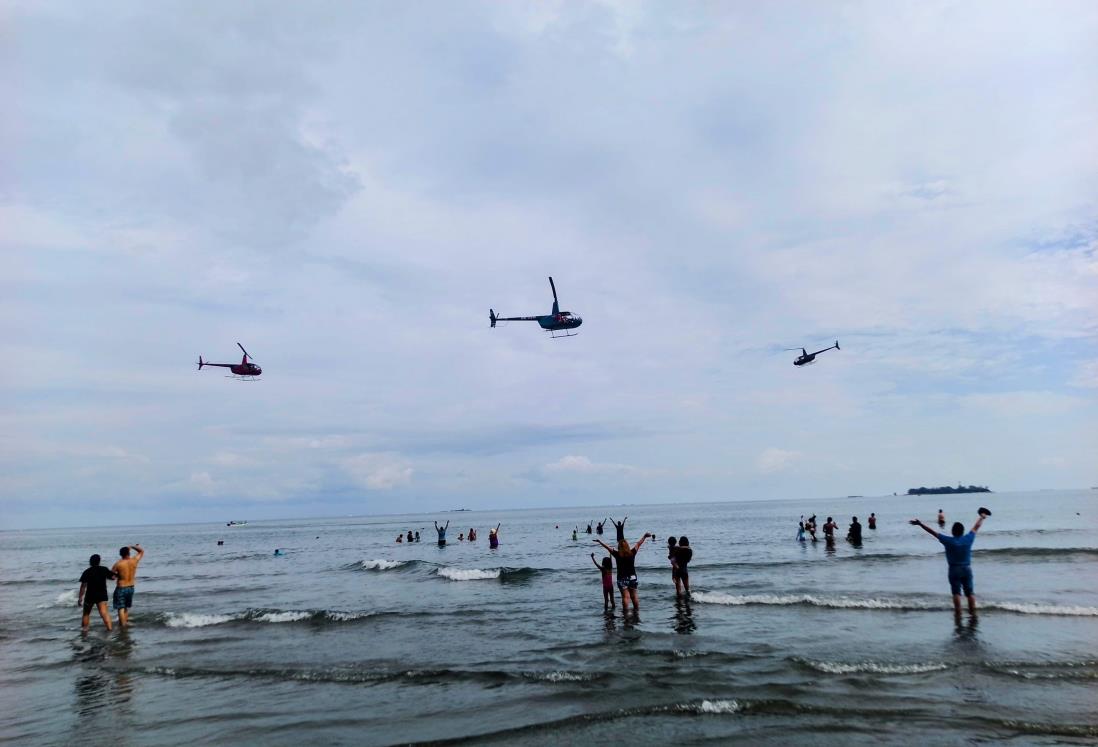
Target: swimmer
<point>607,571</point>
<point>493,538</point>
<point>683,556</point>
<point>854,533</point>
<point>941,518</point>
<point>829,530</point>
<point>626,558</point>
<point>620,526</point>
<point>472,534</point>
<point>400,538</point>
<point>598,527</point>
<point>417,536</point>
<point>442,533</point>
<point>461,536</point>
<point>958,550</point>
<point>589,527</point>
<point>126,570</point>
<point>800,529</point>
<point>409,536</point>
<point>810,527</point>
<point>93,592</point>
<point>674,566</point>
<point>872,521</point>
<point>575,534</point>
<point>279,552</point>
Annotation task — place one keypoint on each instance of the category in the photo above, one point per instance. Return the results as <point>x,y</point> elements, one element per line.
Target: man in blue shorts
<point>958,550</point>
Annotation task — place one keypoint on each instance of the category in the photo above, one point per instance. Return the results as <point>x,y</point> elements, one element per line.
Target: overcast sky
<point>346,188</point>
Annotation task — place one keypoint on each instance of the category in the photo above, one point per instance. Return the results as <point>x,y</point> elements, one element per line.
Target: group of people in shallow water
<point>806,529</point>
<point>624,557</point>
<point>493,535</point>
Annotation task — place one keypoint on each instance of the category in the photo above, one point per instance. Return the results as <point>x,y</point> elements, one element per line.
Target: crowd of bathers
<point>493,535</point>
<point>806,529</point>
<point>624,557</point>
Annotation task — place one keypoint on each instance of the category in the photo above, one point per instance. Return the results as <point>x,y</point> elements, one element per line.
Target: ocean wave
<point>1029,553</point>
<point>468,574</point>
<point>381,674</point>
<point>381,564</point>
<point>871,667</point>
<point>708,597</point>
<point>64,599</point>
<point>1022,608</point>
<point>1046,670</point>
<point>200,620</point>
<point>710,707</point>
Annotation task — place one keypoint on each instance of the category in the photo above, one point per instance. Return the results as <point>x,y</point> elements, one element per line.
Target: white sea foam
<point>283,617</point>
<point>195,620</point>
<point>712,706</point>
<point>467,574</point>
<point>709,597</point>
<point>1032,608</point>
<point>381,565</point>
<point>565,677</point>
<point>873,667</point>
<point>64,599</point>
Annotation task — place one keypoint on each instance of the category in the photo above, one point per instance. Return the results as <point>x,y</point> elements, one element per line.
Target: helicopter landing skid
<point>243,378</point>
<point>555,334</point>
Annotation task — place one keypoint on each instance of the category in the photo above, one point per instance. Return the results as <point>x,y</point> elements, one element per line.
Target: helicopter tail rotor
<point>492,317</point>
<point>201,363</point>
<point>837,345</point>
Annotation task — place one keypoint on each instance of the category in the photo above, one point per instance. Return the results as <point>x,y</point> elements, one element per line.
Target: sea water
<point>351,638</point>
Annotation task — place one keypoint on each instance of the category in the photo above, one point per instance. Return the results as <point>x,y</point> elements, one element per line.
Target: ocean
<point>350,638</point>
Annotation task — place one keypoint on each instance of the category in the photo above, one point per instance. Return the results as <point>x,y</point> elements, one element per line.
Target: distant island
<point>946,490</point>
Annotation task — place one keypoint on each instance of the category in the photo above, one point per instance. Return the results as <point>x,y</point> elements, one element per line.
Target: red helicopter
<point>245,369</point>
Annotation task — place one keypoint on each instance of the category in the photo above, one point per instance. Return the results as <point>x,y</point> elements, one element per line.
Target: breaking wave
<point>468,574</point>
<point>1022,608</point>
<point>199,620</point>
<point>871,667</point>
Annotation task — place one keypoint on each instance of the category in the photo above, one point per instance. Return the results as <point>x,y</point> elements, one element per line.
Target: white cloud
<point>379,471</point>
<point>776,460</point>
<point>582,465</point>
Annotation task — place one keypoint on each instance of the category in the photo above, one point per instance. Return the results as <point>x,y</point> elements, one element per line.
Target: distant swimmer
<point>493,538</point>
<point>461,536</point>
<point>872,521</point>
<point>598,527</point>
<point>589,527</point>
<point>671,542</point>
<point>854,533</point>
<point>607,571</point>
<point>683,556</point>
<point>941,518</point>
<point>620,526</point>
<point>575,534</point>
<point>400,538</point>
<point>279,553</point>
<point>958,550</point>
<point>472,534</point>
<point>417,536</point>
<point>626,558</point>
<point>410,538</point>
<point>93,592</point>
<point>442,533</point>
<point>126,570</point>
<point>800,530</point>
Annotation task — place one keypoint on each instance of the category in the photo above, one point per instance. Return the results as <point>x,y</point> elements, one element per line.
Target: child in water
<point>800,530</point>
<point>607,571</point>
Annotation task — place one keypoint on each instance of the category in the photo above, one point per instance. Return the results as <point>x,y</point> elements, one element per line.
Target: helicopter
<point>246,370</point>
<point>554,322</point>
<point>807,357</point>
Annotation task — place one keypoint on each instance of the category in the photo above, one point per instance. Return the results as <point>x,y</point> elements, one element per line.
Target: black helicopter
<point>807,357</point>
<point>557,321</point>
<point>245,369</point>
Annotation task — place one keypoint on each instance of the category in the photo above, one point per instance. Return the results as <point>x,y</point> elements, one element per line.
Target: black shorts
<point>90,604</point>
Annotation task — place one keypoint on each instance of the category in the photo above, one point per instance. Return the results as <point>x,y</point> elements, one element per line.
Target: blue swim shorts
<point>960,577</point>
<point>123,597</point>
<point>627,583</point>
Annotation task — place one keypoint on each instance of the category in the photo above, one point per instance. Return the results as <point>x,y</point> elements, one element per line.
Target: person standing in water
<point>589,527</point>
<point>674,566</point>
<point>958,550</point>
<point>607,571</point>
<point>683,556</point>
<point>620,526</point>
<point>941,518</point>
<point>829,530</point>
<point>854,533</point>
<point>93,592</point>
<point>410,538</point>
<point>472,534</point>
<point>626,559</point>
<point>872,521</point>
<point>800,530</point>
<point>126,570</point>
<point>417,536</point>
<point>442,533</point>
<point>575,534</point>
<point>598,527</point>
<point>493,538</point>
<point>810,527</point>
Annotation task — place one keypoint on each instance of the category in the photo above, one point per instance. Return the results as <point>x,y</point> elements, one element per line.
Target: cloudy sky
<point>346,188</point>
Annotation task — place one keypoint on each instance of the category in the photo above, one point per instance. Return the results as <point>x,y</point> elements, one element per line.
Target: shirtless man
<point>126,570</point>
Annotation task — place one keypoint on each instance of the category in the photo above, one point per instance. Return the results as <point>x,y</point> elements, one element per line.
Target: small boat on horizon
<point>237,524</point>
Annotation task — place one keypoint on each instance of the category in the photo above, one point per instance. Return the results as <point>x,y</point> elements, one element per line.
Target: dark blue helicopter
<point>807,357</point>
<point>557,321</point>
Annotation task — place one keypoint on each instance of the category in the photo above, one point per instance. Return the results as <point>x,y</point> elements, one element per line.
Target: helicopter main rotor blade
<point>242,349</point>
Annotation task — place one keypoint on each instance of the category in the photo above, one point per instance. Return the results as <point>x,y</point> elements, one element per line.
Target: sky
<point>346,188</point>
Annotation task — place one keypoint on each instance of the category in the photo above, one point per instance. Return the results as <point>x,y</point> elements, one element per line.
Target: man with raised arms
<point>958,550</point>
<point>126,570</point>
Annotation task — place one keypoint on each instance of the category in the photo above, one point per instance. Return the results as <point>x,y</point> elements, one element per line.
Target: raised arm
<point>595,561</point>
<point>926,529</point>
<point>640,542</point>
<point>436,526</point>
<point>140,553</point>
<point>447,524</point>
<point>498,526</point>
<point>608,548</point>
<point>979,523</point>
